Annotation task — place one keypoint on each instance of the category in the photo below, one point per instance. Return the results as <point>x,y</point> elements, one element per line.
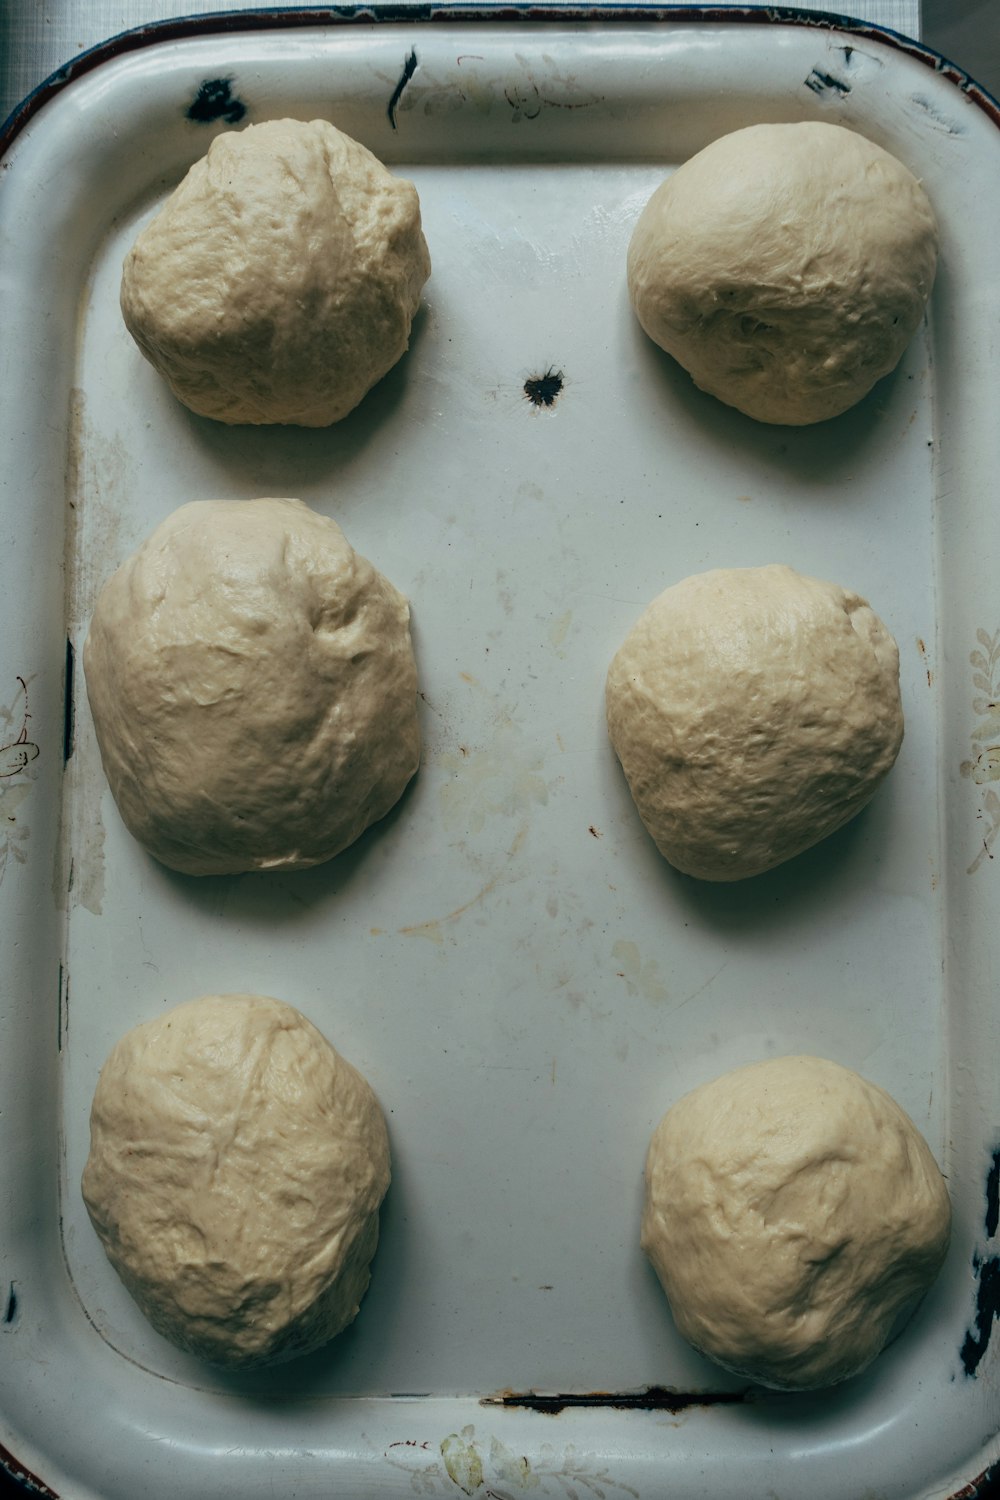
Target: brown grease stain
<point>923,652</point>
<point>430,928</point>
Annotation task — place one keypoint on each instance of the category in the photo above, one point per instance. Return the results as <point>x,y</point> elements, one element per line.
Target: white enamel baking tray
<point>524,981</point>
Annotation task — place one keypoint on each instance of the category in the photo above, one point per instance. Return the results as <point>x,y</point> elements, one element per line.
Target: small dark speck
<point>595,832</point>
<point>10,1311</point>
<point>542,390</point>
<point>215,101</point>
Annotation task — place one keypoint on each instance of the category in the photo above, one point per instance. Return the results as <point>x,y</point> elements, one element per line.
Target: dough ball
<point>237,1164</point>
<point>279,281</point>
<point>786,267</point>
<point>754,711</point>
<point>253,689</point>
<point>792,1212</point>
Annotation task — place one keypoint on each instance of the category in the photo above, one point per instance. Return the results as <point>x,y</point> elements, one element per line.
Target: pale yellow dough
<point>253,689</point>
<point>793,1211</point>
<point>237,1164</point>
<point>754,711</point>
<point>786,267</point>
<point>279,281</point>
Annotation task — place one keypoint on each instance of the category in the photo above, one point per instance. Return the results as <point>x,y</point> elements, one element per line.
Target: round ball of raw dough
<point>279,281</point>
<point>237,1164</point>
<point>253,689</point>
<point>792,1212</point>
<point>786,267</point>
<point>754,711</point>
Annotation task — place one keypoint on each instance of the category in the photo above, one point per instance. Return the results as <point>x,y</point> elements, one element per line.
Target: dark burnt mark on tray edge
<point>69,714</point>
<point>826,83</point>
<point>987,1273</point>
<point>216,101</point>
<point>992,1221</point>
<point>409,68</point>
<point>976,1343</point>
<point>653,1398</point>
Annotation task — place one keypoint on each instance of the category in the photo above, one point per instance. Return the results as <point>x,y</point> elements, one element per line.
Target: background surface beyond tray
<point>523,980</point>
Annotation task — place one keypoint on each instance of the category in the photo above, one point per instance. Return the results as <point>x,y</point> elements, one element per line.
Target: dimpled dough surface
<point>279,281</point>
<point>253,689</point>
<point>754,711</point>
<point>792,1212</point>
<point>786,267</point>
<point>237,1164</point>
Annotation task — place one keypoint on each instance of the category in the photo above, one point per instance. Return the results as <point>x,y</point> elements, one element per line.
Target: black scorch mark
<point>992,1222</point>
<point>977,1339</point>
<point>409,68</point>
<point>653,1398</point>
<point>10,1310</point>
<point>827,83</point>
<point>216,101</point>
<point>69,703</point>
<point>542,390</point>
<point>987,1271</point>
